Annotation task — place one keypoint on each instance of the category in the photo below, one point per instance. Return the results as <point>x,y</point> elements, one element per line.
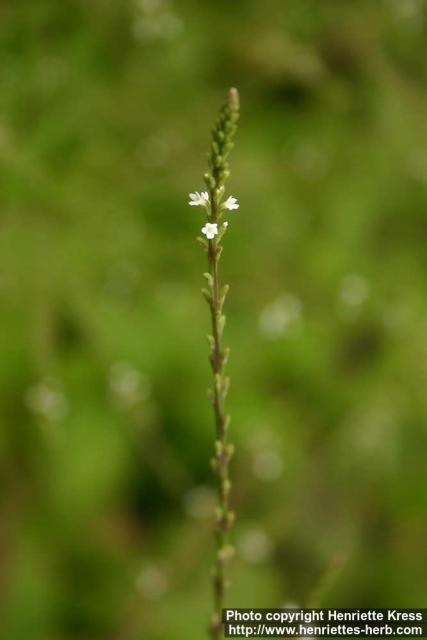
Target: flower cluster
<point>210,230</point>
<point>213,200</point>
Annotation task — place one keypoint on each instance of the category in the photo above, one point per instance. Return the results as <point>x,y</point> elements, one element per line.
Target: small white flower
<point>210,230</point>
<point>231,203</point>
<point>199,199</point>
<point>225,225</point>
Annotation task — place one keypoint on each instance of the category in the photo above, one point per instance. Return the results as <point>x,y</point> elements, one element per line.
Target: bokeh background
<point>106,431</point>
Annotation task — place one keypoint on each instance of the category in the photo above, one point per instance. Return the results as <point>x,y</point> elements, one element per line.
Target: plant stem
<point>215,179</point>
<point>223,450</point>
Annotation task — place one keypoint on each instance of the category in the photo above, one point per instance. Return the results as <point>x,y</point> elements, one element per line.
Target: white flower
<point>199,199</point>
<point>231,203</point>
<point>210,230</point>
<point>225,225</point>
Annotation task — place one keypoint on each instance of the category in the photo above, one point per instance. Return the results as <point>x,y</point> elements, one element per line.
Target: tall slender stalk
<point>216,206</point>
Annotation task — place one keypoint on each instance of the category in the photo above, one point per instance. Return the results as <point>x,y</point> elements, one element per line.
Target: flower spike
<point>213,232</point>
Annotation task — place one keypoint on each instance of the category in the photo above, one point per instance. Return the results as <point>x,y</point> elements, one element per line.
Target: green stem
<point>223,452</point>
<point>221,145</point>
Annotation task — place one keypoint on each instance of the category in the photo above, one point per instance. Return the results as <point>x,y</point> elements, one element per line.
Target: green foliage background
<point>106,431</point>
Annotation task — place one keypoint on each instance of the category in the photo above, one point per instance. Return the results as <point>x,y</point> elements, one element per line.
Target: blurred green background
<point>106,431</point>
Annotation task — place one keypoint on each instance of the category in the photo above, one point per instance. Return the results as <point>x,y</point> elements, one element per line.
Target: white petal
<point>210,230</point>
<point>231,203</point>
<point>198,199</point>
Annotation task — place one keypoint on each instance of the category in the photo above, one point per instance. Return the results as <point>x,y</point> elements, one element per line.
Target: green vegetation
<point>105,430</point>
